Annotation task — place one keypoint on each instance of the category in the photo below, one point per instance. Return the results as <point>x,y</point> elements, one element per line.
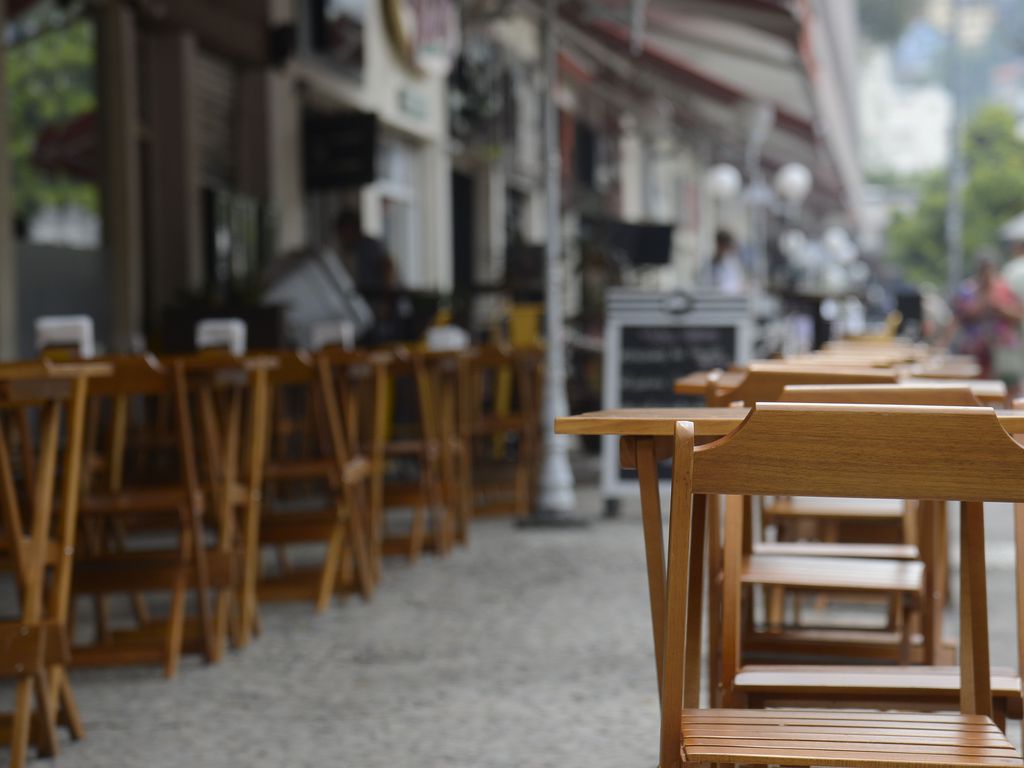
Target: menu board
<point>652,339</point>
<point>652,358</point>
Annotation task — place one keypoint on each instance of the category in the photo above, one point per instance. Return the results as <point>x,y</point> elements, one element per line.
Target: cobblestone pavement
<point>529,649</point>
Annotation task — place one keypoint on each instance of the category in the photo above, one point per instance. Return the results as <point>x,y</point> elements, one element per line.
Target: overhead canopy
<point>722,57</point>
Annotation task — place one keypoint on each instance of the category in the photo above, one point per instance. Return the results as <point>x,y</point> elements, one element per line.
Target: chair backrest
<point>500,380</point>
<point>867,451</point>
<point>820,450</point>
<point>39,482</point>
<point>151,394</point>
<point>880,394</point>
<point>355,390</point>
<point>764,382</point>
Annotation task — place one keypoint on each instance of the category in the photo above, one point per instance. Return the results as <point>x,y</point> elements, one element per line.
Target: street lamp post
<point>557,489</point>
<point>954,221</point>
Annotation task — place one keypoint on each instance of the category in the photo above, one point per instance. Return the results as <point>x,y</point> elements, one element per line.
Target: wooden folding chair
<point>412,458</point>
<point>500,407</point>
<point>765,383</point>
<point>39,475</point>
<point>318,485</point>
<point>446,371</point>
<point>231,396</point>
<point>899,580</point>
<point>361,383</point>
<point>946,453</point>
<point>142,510</point>
<point>917,687</point>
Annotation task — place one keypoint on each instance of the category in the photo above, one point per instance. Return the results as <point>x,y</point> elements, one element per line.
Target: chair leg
<point>360,554</point>
<point>21,724</point>
<point>221,622</point>
<point>175,627</point>
<point>70,717</point>
<point>332,562</point>
<point>45,717</point>
<point>417,532</point>
<point>101,612</point>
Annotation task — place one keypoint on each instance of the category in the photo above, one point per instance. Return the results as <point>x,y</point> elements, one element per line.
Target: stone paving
<point>529,649</point>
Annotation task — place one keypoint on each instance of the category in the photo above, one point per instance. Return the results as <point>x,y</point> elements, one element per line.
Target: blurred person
<point>364,257</point>
<point>350,278</point>
<point>937,322</point>
<point>725,272</point>
<point>989,315</point>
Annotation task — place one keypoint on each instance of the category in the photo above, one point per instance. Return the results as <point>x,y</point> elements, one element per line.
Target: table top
<point>49,369</point>
<point>707,422</point>
<point>696,384</point>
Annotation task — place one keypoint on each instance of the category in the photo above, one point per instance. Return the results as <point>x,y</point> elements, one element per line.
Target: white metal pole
<point>954,223</point>
<point>557,493</point>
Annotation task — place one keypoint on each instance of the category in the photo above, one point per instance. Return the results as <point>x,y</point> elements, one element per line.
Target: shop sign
<point>425,33</point>
<point>412,102</point>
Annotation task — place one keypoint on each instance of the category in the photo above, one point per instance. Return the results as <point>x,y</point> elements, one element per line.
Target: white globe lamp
<point>724,181</point>
<point>793,182</point>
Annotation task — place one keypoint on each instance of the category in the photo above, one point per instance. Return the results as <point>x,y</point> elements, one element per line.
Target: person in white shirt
<point>724,272</point>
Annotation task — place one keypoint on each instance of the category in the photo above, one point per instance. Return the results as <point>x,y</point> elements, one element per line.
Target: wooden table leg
<point>931,540</point>
<point>654,543</point>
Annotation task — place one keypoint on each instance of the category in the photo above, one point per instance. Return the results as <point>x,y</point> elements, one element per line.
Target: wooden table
<point>988,391</point>
<point>646,437</point>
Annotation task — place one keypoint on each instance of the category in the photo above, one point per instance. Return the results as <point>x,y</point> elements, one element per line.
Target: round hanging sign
<point>425,33</point>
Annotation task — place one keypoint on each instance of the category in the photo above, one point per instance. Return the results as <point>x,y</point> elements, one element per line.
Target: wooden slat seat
<point>844,738</point>
<point>52,552</point>
<point>299,470</point>
<point>820,681</point>
<point>837,549</point>
<point>296,526</point>
<point>835,573</point>
<point>138,500</point>
<point>841,509</point>
<point>142,570</point>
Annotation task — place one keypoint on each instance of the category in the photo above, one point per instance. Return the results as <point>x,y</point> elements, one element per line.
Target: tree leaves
<point>994,193</point>
<point>50,80</point>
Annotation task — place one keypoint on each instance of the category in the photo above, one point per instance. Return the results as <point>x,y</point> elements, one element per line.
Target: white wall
<point>410,106</point>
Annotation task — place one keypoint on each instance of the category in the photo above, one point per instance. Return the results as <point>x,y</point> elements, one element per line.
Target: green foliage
<point>994,193</point>
<point>884,20</point>
<point>50,80</point>
<point>916,242</point>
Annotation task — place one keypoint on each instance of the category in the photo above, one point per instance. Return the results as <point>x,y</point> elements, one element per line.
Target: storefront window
<point>54,136</point>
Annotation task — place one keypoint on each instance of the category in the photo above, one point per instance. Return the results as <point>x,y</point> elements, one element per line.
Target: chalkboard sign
<point>653,358</point>
<point>651,339</point>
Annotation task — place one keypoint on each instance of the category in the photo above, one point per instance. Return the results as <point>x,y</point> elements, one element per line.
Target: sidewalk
<point>529,649</point>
